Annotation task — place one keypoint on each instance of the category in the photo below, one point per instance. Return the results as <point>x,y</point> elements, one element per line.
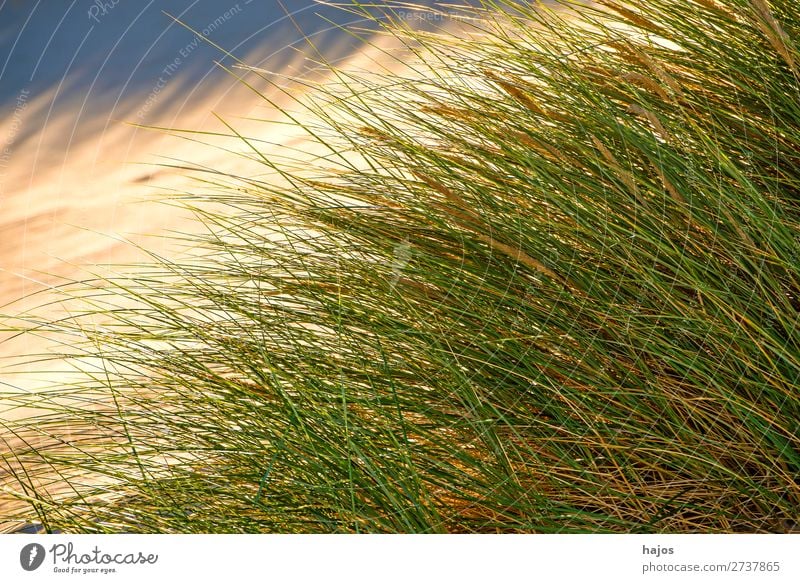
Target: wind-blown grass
<point>544,279</point>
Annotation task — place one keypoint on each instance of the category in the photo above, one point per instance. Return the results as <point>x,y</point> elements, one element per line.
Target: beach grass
<point>542,274</point>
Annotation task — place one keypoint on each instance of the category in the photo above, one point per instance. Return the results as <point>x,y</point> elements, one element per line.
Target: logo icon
<point>31,556</point>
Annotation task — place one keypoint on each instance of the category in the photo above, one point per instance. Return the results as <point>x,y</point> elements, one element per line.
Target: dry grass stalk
<point>626,177</point>
<point>635,56</point>
<point>637,109</point>
<point>647,83</point>
<point>636,19</point>
<point>774,32</point>
<point>670,188</point>
<point>470,221</point>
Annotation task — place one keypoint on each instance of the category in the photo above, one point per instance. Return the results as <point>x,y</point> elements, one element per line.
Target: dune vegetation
<point>542,277</point>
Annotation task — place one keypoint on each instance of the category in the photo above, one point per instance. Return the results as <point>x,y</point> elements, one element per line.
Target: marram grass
<point>546,278</point>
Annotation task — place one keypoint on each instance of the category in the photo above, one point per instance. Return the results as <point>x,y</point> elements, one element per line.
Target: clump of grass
<point>544,279</point>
